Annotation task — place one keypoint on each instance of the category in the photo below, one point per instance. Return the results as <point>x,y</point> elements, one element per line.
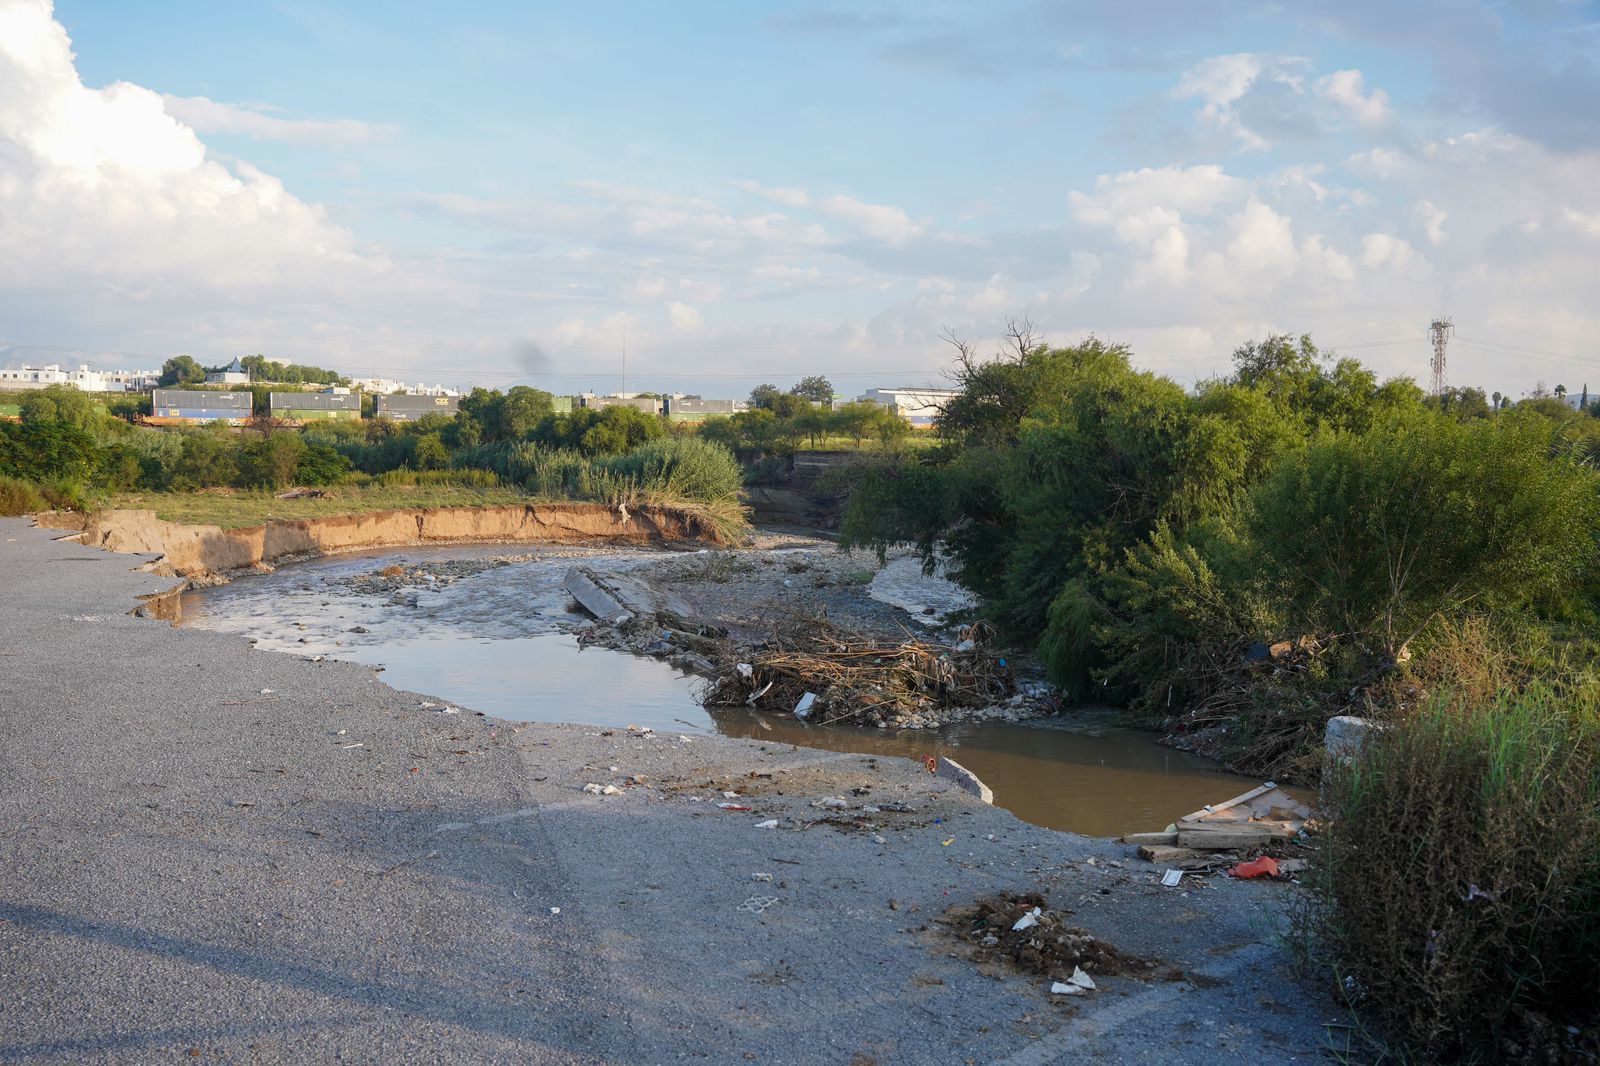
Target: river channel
<point>498,637</point>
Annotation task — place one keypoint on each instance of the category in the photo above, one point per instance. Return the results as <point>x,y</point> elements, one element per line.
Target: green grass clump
<point>1459,880</point>
<point>18,497</point>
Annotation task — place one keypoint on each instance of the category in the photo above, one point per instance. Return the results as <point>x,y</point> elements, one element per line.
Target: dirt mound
<point>1047,947</point>
<point>204,553</point>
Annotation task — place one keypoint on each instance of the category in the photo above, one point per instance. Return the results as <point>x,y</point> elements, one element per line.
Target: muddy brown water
<point>1080,773</point>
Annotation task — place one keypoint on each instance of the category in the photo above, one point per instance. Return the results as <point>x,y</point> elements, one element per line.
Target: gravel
<point>231,854</point>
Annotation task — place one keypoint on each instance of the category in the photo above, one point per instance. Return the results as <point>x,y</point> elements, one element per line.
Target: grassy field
<point>232,509</point>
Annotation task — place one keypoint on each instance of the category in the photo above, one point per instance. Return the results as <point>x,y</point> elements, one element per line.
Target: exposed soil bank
<point>206,553</point>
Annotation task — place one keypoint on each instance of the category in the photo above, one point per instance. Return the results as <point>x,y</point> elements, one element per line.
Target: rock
<point>951,770</point>
<point>1346,735</point>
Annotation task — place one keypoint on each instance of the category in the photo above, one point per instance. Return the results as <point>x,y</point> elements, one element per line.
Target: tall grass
<point>18,497</point>
<point>1460,873</point>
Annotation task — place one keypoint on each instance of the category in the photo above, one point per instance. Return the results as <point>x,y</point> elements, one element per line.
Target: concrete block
<point>1347,735</point>
<point>951,770</point>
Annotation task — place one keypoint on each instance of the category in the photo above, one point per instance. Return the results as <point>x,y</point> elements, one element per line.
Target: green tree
<point>273,462</point>
<point>518,412</point>
<point>815,388</point>
<point>764,396</point>
<point>1378,534</point>
<point>430,453</point>
<point>181,370</point>
<point>61,403</point>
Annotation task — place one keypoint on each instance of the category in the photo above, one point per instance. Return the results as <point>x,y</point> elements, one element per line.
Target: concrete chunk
<point>594,599</point>
<point>951,770</point>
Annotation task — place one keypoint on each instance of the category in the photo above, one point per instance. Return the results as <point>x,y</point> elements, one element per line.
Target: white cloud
<point>1139,204</point>
<point>1432,218</point>
<point>1584,221</point>
<point>102,187</point>
<point>683,317</point>
<point>1343,88</point>
<point>883,221</point>
<point>1253,96</point>
<point>258,123</point>
<point>1262,240</point>
<point>790,196</point>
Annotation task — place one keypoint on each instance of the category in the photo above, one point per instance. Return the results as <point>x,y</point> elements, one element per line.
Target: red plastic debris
<point>1266,866</point>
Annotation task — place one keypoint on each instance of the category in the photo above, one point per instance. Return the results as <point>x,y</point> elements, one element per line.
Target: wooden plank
<point>1224,839</point>
<point>1281,830</point>
<point>1169,839</point>
<point>1183,858</point>
<point>1218,808</point>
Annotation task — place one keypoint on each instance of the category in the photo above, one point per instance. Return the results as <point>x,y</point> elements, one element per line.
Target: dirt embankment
<point>206,553</point>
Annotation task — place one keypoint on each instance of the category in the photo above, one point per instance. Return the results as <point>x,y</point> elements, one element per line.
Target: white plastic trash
<point>770,823</point>
<point>1027,921</point>
<point>802,710</point>
<point>1064,988</point>
<point>1171,878</point>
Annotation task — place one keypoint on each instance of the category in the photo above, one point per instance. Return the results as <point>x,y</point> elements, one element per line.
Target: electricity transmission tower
<point>1439,330</point>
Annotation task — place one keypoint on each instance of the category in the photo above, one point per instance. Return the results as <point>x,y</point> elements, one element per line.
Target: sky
<point>739,192</point>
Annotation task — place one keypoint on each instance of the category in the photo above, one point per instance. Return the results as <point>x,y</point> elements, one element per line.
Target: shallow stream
<point>500,641</point>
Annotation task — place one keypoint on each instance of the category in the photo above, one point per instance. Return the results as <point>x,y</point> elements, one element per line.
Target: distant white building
<point>920,407</point>
<point>39,377</point>
<point>388,387</point>
<point>232,374</point>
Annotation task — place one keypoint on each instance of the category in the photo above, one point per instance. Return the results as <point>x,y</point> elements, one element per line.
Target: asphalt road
<point>217,854</point>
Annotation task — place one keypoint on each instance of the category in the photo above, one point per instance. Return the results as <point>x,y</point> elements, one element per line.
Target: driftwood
<point>856,679</point>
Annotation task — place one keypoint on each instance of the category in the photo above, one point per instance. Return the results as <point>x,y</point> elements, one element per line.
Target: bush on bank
<point>1458,878</point>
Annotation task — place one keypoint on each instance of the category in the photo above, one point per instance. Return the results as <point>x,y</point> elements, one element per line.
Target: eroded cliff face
<point>207,553</point>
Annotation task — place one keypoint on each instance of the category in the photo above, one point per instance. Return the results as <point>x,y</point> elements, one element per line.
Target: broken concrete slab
<point>951,770</point>
<point>595,598</point>
<point>1347,735</point>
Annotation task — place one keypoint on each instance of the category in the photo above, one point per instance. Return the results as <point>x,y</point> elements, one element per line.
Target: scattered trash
<point>802,710</point>
<point>947,843</point>
<point>879,840</point>
<point>830,803</point>
<point>1171,878</point>
<point>1265,866</point>
<point>357,744</point>
<point>757,904</point>
<point>555,910</point>
<point>1046,947</point>
<point>726,795</point>
<point>602,790</point>
<point>266,692</point>
<point>1027,921</point>
<point>732,807</point>
<point>770,823</point>
<point>761,877</point>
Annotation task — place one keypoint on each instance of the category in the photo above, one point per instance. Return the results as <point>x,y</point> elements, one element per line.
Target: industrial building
<point>650,405</point>
<point>342,406</point>
<point>920,407</point>
<point>179,406</point>
<point>411,408</point>
<point>685,409</point>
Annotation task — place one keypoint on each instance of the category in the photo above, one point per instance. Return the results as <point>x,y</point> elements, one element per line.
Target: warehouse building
<point>316,406</point>
<point>411,408</point>
<point>920,407</point>
<point>685,409</point>
<point>650,405</point>
<point>175,406</point>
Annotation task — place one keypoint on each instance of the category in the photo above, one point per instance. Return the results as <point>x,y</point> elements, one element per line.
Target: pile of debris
<point>1266,819</point>
<point>828,676</point>
<point>1018,930</point>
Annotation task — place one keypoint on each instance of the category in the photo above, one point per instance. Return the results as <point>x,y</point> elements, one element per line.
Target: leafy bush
<point>685,467</point>
<point>1459,876</point>
<point>19,497</point>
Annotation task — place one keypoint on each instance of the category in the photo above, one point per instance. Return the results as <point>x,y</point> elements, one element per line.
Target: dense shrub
<point>19,497</point>
<point>1459,876</point>
<point>682,467</point>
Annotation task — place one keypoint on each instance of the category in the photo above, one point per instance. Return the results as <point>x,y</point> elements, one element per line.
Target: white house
<point>920,407</point>
<point>232,374</point>
<point>39,377</point>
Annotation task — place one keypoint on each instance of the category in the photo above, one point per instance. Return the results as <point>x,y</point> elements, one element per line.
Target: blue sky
<point>483,192</point>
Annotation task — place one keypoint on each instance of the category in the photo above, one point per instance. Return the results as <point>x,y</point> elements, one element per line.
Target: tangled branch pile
<point>856,680</point>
